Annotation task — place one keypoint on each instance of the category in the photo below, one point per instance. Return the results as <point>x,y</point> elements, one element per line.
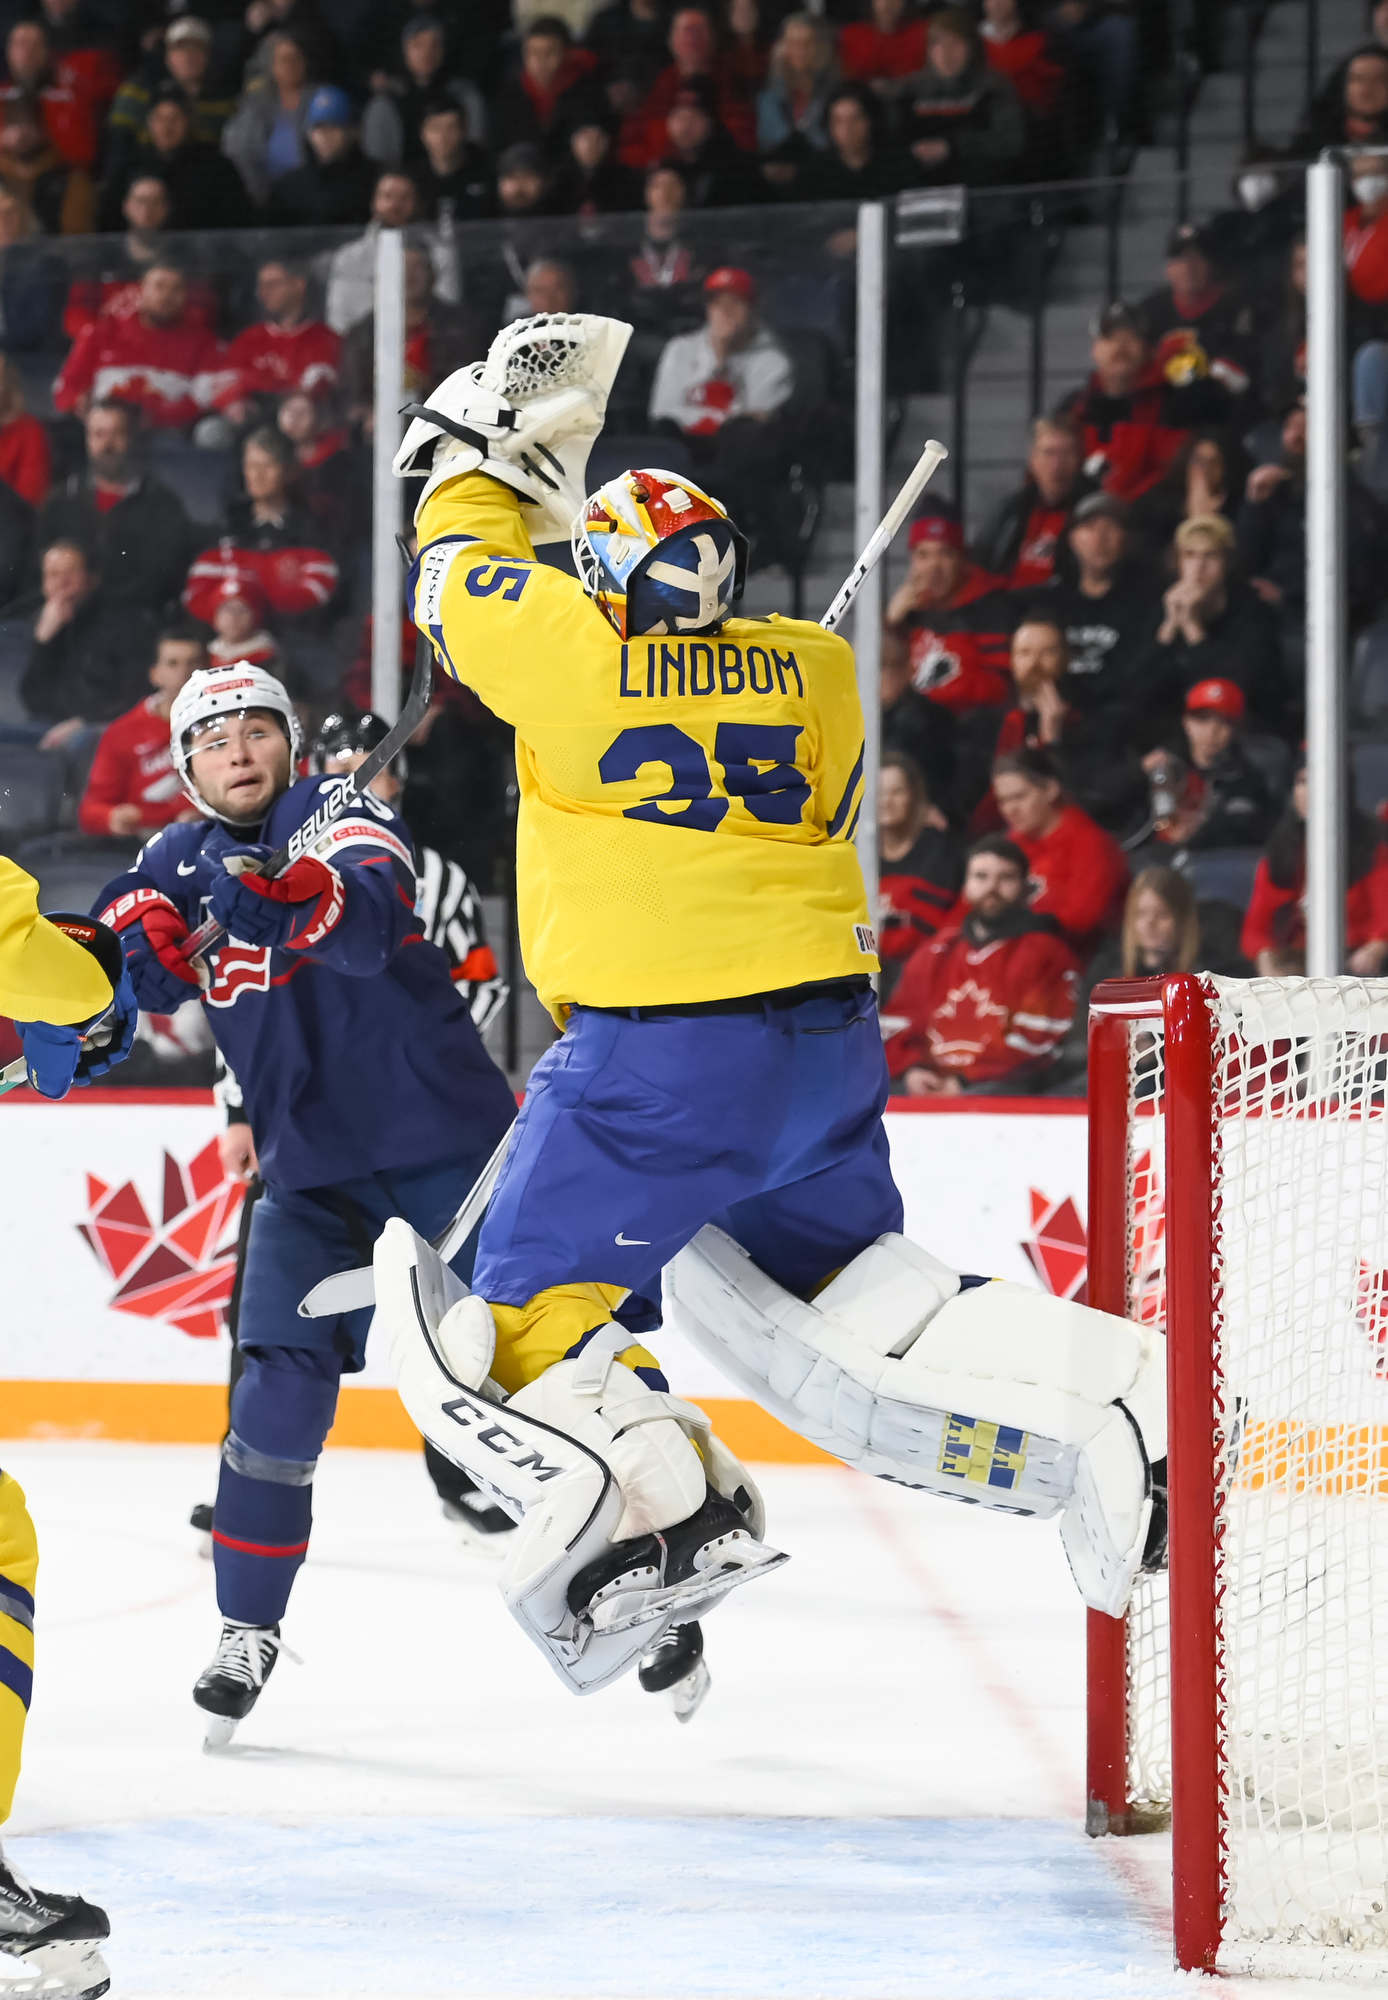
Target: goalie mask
<point>233,690</point>
<point>658,555</point>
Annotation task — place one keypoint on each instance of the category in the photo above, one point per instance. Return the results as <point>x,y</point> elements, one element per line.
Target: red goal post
<point>1238,1194</point>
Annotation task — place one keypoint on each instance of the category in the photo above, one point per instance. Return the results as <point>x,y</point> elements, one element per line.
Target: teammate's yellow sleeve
<point>44,976</point>
<point>19,1562</point>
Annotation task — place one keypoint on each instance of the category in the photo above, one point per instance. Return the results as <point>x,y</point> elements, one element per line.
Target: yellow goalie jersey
<point>687,804</point>
<point>44,976</point>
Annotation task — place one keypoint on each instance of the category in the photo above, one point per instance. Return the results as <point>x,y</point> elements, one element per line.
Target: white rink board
<point>966,1178</point>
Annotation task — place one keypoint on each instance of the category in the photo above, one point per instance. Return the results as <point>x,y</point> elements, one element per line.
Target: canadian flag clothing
<point>133,766</point>
<point>267,360</point>
<point>172,374</point>
<point>981,1007</point>
<point>1078,876</point>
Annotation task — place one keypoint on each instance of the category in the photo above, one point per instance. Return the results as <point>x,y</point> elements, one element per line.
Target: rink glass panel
<point>1267,1111</point>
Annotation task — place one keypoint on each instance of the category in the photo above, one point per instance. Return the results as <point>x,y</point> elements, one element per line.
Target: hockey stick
<point>882,535</point>
<point>347,1291</point>
<point>353,785</point>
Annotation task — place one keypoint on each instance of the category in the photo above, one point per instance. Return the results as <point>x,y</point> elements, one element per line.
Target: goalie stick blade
<point>352,787</point>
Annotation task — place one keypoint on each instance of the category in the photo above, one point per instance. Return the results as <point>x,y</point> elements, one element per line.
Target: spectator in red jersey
<point>115,286</point>
<point>957,659</point>
<point>918,864</point>
<point>81,57</point>
<point>963,121</point>
<point>1078,873</point>
<point>887,46</point>
<point>1022,53</point>
<point>1132,419</point>
<point>986,1005</point>
<point>1274,930</point>
<point>269,535</point>
<point>554,89</point>
<point>664,271</point>
<point>62,196</point>
<point>286,351</point>
<point>160,361</point>
<point>922,729</point>
<point>1021,539</point>
<point>1214,627</point>
<point>26,463</point>
<point>1366,230</point>
<point>69,116</point>
<point>1199,326</point>
<point>135,530</point>
<point>694,59</point>
<point>133,788</point>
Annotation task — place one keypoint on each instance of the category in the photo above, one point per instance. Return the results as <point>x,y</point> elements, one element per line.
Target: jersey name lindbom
<point>703,667</point>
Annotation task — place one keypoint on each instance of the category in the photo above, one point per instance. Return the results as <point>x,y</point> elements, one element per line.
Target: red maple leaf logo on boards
<point>182,1268</point>
<point>1058,1247</point>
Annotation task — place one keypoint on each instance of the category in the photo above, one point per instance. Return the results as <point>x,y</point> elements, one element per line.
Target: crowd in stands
<point>1091,704</point>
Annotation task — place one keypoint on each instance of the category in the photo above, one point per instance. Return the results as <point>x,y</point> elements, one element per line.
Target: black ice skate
<point>48,1944</point>
<point>479,1522</point>
<point>229,1688</point>
<point>674,1665</point>
<point>680,1572</point>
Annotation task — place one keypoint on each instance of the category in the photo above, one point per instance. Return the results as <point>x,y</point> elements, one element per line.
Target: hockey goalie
<point>694,916</point>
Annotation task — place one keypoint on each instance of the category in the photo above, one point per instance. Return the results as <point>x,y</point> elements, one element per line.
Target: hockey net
<point>1239,1196</point>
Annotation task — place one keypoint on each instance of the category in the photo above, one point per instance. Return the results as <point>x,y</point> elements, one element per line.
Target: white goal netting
<point>1299,1433</point>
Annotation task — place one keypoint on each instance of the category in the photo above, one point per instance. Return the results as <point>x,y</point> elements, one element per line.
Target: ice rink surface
<point>880,1800</point>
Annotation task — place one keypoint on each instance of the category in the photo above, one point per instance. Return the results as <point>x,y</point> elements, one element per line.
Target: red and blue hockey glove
<point>151,931</point>
<point>296,910</point>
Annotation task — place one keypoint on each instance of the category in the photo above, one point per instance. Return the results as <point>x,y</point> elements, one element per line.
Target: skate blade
<point>686,1696</point>
<point>488,1548</point>
<point>639,1599</point>
<point>204,1546</point>
<point>68,1970</point>
<point>218,1732</point>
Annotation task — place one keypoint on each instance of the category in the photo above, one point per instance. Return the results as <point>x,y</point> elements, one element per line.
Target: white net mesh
<point>1300,1119</point>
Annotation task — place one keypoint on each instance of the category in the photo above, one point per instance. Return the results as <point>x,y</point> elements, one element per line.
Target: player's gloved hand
<point>151,931</point>
<point>50,1055</point>
<point>115,1037</point>
<point>296,910</point>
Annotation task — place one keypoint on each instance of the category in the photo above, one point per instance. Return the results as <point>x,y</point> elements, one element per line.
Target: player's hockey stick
<point>347,1291</point>
<point>882,535</point>
<point>341,802</point>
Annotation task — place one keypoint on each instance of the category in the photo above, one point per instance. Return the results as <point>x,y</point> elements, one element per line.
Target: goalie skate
<point>48,1943</point>
<point>673,1576</point>
<point>675,1666</point>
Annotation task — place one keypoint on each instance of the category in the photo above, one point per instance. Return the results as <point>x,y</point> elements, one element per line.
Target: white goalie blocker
<point>976,1390</point>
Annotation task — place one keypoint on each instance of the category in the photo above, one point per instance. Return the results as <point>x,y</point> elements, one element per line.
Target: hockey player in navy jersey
<point>365,1084</point>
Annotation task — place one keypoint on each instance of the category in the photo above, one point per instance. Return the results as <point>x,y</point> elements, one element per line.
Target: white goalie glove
<point>527,416</point>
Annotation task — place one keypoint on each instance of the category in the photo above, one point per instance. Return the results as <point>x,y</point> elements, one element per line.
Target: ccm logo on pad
<point>522,1457</point>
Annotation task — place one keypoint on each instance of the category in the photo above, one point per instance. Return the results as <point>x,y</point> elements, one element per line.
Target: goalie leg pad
<point>975,1390</point>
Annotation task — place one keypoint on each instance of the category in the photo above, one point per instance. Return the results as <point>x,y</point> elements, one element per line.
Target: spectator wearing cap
<point>716,173</point>
<point>400,99</point>
<point>1205,790</point>
<point>963,121</point>
<point>334,185</point>
<point>160,360</point>
<point>65,111</point>
<point>793,103</point>
<point>1274,928</point>
<point>285,350</point>
<point>919,863</point>
<point>134,528</point>
<point>949,617</point>
<point>205,190</point>
<point>1358,115</point>
<point>265,137</point>
<point>351,287</point>
<point>62,197</point>
<point>1199,325</point>
<point>1076,871</point>
<point>453,175</point>
<point>592,180</point>
<point>986,1005</point>
<point>1021,538</point>
<point>1133,417</point>
<point>554,87</point>
<point>694,60</point>
<point>721,386</point>
<point>887,45</point>
<point>185,65</point>
<point>1108,604</point>
<point>1213,626</point>
<point>133,789</point>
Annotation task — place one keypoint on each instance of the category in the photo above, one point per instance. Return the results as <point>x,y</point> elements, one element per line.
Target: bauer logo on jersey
<point>981,1453</point>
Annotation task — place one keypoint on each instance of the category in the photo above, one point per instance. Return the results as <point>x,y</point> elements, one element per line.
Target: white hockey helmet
<point>214,691</point>
<point>657,554</point>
